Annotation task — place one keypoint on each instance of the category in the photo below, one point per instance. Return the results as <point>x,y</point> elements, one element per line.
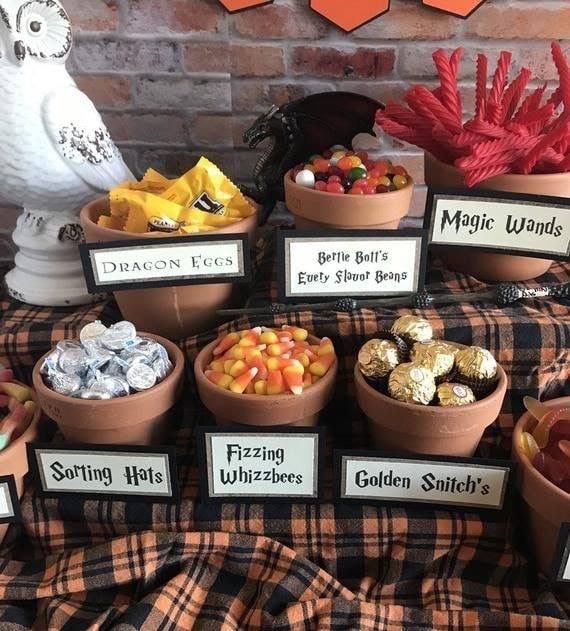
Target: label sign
<point>460,482</point>
<point>561,561</point>
<point>490,220</point>
<point>124,473</point>
<point>256,465</point>
<point>165,262</point>
<point>359,263</point>
<point>9,502</point>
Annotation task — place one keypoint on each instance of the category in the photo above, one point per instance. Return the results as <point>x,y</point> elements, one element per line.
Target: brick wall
<point>178,78</point>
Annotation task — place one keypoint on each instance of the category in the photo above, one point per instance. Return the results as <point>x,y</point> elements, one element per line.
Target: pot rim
<point>174,353</point>
<point>360,381</point>
<point>522,459</point>
<point>514,176</point>
<point>30,431</point>
<point>84,216</point>
<point>311,191</point>
<point>321,384</point>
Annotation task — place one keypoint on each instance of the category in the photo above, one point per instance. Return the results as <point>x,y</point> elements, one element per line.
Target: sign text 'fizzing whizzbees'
<point>158,262</point>
<point>277,465</point>
<point>454,482</point>
<point>124,473</point>
<point>349,263</point>
<point>495,221</point>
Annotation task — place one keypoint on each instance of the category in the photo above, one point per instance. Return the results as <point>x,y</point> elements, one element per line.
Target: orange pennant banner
<point>461,8</point>
<point>233,6</point>
<point>350,15</point>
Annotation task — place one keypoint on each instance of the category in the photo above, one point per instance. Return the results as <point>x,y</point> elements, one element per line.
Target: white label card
<point>102,471</point>
<point>359,263</point>
<point>538,226</point>
<point>458,483</point>
<point>264,465</point>
<point>9,504</point>
<point>163,262</point>
<point>561,560</point>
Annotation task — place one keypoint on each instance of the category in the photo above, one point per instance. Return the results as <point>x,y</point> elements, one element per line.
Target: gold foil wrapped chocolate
<point>438,356</point>
<point>412,383</point>
<point>413,328</point>
<point>377,358</point>
<point>454,394</point>
<point>476,363</point>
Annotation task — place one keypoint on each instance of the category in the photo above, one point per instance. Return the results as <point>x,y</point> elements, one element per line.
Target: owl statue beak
<point>20,50</point>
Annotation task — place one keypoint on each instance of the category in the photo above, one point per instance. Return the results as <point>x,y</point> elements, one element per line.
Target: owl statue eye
<point>44,28</point>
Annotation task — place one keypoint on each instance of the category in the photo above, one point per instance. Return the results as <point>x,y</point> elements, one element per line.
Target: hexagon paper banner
<point>461,8</point>
<point>350,15</point>
<point>233,6</point>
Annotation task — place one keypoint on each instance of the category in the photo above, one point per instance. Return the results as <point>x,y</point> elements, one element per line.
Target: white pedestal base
<point>48,269</point>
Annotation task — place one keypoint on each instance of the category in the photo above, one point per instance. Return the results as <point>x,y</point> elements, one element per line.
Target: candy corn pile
<point>17,399</point>
<point>269,361</point>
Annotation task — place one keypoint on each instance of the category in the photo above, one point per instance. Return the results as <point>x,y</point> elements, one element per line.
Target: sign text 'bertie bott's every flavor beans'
<point>269,361</point>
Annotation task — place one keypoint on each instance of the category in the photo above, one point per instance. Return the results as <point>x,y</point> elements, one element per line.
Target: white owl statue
<point>56,154</point>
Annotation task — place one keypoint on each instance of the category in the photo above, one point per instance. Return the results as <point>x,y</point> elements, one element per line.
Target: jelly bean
<point>385,181</point>
<point>334,178</point>
<point>345,163</point>
<point>356,174</point>
<point>356,190</point>
<point>314,158</point>
<point>359,183</point>
<point>305,178</point>
<point>382,189</point>
<point>335,187</point>
<point>339,148</point>
<point>369,190</point>
<point>363,155</point>
<point>320,186</point>
<point>400,170</point>
<point>321,176</point>
<point>400,181</point>
<point>355,161</point>
<point>322,165</point>
<point>336,156</point>
<point>346,183</point>
<point>336,171</point>
<point>382,168</point>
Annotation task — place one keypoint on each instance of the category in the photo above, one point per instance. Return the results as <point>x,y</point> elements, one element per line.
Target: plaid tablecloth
<point>96,564</point>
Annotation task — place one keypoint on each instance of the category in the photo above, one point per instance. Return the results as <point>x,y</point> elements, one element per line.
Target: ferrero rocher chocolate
<point>412,383</point>
<point>438,356</point>
<point>454,394</point>
<point>377,358</point>
<point>476,363</point>
<point>413,328</point>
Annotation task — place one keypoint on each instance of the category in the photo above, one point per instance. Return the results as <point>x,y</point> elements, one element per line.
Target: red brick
<point>240,124</point>
<point>176,162</point>
<point>207,57</point>
<point>410,21</point>
<point>280,22</point>
<point>151,128</point>
<point>179,16</point>
<point>382,91</point>
<point>258,96</point>
<point>106,90</point>
<point>528,22</point>
<point>95,15</point>
<point>539,60</point>
<point>256,61</point>
<point>365,63</point>
<point>212,130</point>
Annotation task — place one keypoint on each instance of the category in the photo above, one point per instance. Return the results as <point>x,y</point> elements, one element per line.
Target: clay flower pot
<point>137,419</point>
<point>546,506</point>
<point>488,265</point>
<point>427,429</point>
<point>14,459</point>
<point>317,209</point>
<point>261,410</point>
<point>174,312</point>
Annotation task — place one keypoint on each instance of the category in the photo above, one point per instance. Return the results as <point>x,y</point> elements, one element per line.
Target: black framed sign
<point>256,465</point>
<point>494,221</point>
<point>315,265</point>
<point>9,501</point>
<point>124,473</point>
<point>159,262</point>
<point>369,477</point>
<point>561,560</point>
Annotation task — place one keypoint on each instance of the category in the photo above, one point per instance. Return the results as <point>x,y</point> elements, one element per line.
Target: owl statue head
<point>37,30</point>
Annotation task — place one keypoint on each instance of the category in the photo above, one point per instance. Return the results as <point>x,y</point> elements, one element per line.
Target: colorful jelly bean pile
<point>548,446</point>
<point>339,170</point>
<point>18,401</point>
<point>269,361</point>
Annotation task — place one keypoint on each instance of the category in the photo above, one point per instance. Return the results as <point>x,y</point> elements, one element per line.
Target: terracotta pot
<point>487,265</point>
<point>317,209</point>
<point>137,419</point>
<point>259,410</point>
<point>546,506</point>
<point>405,427</point>
<point>14,459</point>
<point>174,312</point>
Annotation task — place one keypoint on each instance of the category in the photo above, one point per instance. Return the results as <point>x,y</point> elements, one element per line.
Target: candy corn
<point>265,361</point>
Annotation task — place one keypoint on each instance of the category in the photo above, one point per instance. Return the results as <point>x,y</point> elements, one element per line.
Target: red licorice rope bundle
<point>509,133</point>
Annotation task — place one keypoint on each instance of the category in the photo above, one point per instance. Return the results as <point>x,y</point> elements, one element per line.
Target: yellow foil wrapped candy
<point>202,200</point>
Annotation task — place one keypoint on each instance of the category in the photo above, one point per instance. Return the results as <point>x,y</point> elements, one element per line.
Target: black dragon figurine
<point>299,129</point>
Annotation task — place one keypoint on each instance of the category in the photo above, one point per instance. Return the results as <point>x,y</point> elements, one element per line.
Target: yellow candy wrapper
<point>152,182</point>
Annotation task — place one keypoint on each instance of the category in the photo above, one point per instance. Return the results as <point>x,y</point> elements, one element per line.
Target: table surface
<point>75,564</point>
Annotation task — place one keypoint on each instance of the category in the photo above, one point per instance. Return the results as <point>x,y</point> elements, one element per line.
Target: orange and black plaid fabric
<point>96,564</point>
